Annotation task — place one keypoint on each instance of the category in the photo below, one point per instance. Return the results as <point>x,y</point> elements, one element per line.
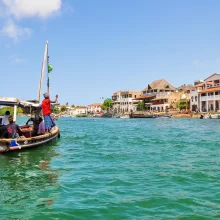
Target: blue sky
<point>99,47</point>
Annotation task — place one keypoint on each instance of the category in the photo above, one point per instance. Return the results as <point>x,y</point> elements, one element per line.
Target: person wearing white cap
<point>46,110</point>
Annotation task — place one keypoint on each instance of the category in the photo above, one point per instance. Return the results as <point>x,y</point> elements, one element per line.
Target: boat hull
<point>142,116</point>
<point>24,143</point>
<point>125,116</point>
<point>162,116</point>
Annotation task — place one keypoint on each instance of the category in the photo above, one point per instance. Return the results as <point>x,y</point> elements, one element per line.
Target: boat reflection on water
<point>28,181</point>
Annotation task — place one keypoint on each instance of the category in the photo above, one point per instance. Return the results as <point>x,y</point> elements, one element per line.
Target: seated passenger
<point>41,127</point>
<point>3,130</point>
<point>5,118</point>
<point>13,130</point>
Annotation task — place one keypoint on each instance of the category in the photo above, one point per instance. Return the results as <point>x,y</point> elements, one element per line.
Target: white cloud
<point>15,32</point>
<point>32,8</point>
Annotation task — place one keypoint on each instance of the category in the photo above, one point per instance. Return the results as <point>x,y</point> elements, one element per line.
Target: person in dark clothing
<point>3,130</point>
<point>13,130</point>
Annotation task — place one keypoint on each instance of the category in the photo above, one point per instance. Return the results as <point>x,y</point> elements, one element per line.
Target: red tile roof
<point>160,98</point>
<point>96,104</point>
<point>80,107</point>
<point>214,89</point>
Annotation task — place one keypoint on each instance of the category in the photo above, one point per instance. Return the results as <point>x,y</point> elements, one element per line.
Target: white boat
<point>125,116</point>
<point>215,116</point>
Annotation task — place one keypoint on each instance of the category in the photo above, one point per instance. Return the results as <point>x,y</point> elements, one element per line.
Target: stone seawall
<point>174,114</point>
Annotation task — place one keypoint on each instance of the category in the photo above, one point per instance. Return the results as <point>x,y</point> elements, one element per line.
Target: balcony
<point>164,95</point>
<point>159,103</point>
<point>210,98</point>
<point>125,100</point>
<point>158,94</point>
<point>213,86</point>
<point>150,93</point>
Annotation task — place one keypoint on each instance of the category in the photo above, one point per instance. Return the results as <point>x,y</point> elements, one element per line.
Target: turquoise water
<point>117,169</point>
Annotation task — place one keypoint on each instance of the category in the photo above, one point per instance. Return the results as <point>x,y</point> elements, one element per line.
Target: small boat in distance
<point>126,115</point>
<point>162,116</point>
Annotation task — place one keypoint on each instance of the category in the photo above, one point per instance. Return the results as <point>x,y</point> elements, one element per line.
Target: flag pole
<point>42,71</point>
<point>48,79</point>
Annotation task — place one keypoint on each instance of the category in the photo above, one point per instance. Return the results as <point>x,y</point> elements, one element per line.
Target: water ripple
<point>117,169</point>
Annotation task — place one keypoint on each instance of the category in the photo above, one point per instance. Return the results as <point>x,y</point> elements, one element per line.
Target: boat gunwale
<point>36,138</point>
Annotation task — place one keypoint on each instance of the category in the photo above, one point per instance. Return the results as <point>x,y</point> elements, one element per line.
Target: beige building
<point>160,86</point>
<point>78,110</point>
<point>95,108</point>
<point>123,101</point>
<point>159,95</point>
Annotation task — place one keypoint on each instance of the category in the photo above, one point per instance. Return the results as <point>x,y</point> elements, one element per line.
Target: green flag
<point>50,68</point>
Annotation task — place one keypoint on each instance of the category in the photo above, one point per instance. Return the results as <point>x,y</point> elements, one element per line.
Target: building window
<point>192,98</point>
<point>196,98</point>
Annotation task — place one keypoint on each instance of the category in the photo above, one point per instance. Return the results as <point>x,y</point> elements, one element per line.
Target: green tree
<point>183,104</point>
<point>55,110</point>
<point>11,109</point>
<point>141,106</point>
<point>107,104</point>
<point>63,108</point>
<point>72,106</point>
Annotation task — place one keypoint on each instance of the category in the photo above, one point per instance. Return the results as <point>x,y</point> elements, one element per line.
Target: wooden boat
<point>31,107</point>
<point>27,141</point>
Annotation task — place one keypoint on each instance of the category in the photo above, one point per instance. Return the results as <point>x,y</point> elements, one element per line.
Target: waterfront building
<point>194,95</point>
<point>95,108</point>
<point>209,95</point>
<point>146,99</point>
<point>123,101</point>
<point>185,88</point>
<point>167,101</point>
<point>156,95</point>
<point>78,110</point>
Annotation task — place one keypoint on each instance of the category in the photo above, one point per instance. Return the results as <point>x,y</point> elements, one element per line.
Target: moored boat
<point>162,116</point>
<point>28,140</point>
<point>124,116</point>
<point>29,137</point>
<point>211,116</point>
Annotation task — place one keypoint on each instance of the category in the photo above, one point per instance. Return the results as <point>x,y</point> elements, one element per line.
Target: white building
<point>209,95</point>
<point>194,95</point>
<point>78,110</point>
<point>123,101</point>
<point>194,99</point>
<point>95,108</point>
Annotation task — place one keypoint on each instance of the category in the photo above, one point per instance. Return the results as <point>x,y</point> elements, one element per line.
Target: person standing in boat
<point>46,110</point>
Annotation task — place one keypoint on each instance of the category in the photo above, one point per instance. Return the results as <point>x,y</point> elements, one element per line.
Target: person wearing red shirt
<point>46,110</point>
